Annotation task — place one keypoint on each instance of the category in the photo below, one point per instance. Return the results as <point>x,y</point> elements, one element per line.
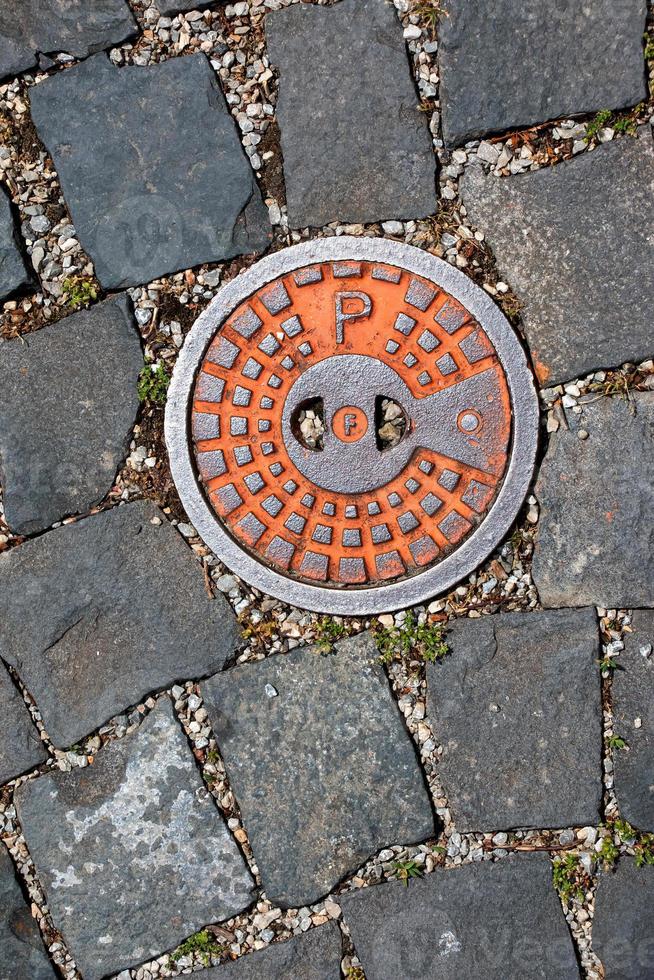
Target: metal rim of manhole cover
<point>346,522</point>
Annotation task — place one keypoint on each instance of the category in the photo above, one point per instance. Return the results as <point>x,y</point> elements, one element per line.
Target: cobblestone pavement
<point>195,777</point>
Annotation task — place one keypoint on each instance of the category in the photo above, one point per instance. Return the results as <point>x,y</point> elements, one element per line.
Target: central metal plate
<point>346,523</point>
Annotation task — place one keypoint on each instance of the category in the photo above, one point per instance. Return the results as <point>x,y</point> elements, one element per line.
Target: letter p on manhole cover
<point>352,425</point>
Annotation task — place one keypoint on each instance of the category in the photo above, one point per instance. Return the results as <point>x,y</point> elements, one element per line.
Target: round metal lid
<point>346,520</point>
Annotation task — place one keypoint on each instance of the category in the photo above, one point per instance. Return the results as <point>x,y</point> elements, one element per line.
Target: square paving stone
<point>22,953</point>
<point>321,764</point>
<point>493,920</point>
<point>355,146</point>
<point>596,500</point>
<point>13,271</point>
<point>21,747</point>
<point>132,853</point>
<point>623,925</point>
<point>97,614</point>
<point>313,956</point>
<point>151,189</point>
<point>518,709</point>
<point>575,242</point>
<point>78,27</point>
<point>68,403</point>
<point>633,711</point>
<point>506,65</point>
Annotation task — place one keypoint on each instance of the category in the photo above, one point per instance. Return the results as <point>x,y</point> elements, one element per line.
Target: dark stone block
<point>13,271</point>
<point>633,712</point>
<point>151,189</point>
<point>356,148</point>
<point>22,953</point>
<point>518,709</point>
<point>314,956</point>
<point>497,920</point>
<point>508,65</point>
<point>575,242</point>
<point>21,747</point>
<point>97,614</point>
<point>78,27</point>
<point>596,495</point>
<point>68,402</point>
<point>132,853</point>
<point>623,924</point>
<point>322,767</point>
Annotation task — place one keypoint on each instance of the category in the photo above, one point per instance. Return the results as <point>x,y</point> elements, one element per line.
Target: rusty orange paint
<point>262,498</point>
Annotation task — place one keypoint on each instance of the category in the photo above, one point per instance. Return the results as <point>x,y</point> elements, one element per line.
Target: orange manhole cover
<point>360,418</point>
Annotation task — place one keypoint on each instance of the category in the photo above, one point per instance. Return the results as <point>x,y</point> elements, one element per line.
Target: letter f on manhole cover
<point>276,425</point>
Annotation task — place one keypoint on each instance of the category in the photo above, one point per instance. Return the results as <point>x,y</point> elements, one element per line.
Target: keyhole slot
<point>391,422</point>
<point>308,424</point>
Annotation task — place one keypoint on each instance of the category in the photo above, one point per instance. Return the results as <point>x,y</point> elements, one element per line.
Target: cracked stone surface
<point>520,749</point>
<point>22,953</point>
<point>13,271</point>
<point>355,146</point>
<point>144,204</point>
<point>122,611</point>
<point>623,924</point>
<point>317,799</point>
<point>575,241</point>
<point>21,747</point>
<point>77,27</point>
<point>506,65</point>
<point>595,542</point>
<point>314,956</point>
<point>480,920</point>
<point>633,711</point>
<point>131,851</point>
<point>61,444</point>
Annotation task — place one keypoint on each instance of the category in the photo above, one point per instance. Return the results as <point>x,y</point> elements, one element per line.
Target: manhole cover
<point>352,425</point>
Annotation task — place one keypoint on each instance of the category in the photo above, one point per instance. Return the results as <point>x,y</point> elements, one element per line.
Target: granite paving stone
<point>151,189</point>
<point>316,955</point>
<point>68,403</point>
<point>321,764</point>
<point>497,920</point>
<point>355,146</point>
<point>21,747</point>
<point>595,543</point>
<point>575,242</point>
<point>623,924</point>
<point>97,614</point>
<point>22,953</point>
<point>518,709</point>
<point>633,713</point>
<point>507,65</point>
<point>13,271</point>
<point>80,28</point>
<point>132,853</point>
